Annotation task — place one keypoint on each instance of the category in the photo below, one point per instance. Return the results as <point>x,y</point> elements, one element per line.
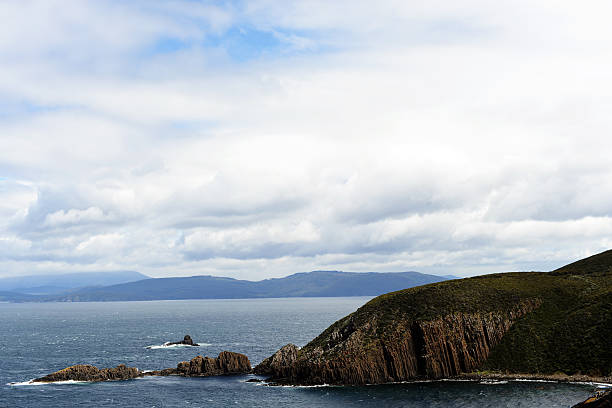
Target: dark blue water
<point>36,339</point>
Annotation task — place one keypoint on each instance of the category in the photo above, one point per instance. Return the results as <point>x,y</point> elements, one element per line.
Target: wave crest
<point>168,345</point>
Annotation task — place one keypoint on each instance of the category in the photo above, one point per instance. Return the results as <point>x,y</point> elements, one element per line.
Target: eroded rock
<point>442,347</point>
<point>227,363</point>
<point>84,372</point>
<point>279,363</point>
<point>187,340</point>
<point>602,399</point>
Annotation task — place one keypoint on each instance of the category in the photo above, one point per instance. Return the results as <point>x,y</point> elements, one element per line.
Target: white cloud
<point>74,216</point>
<point>444,137</point>
<point>102,244</point>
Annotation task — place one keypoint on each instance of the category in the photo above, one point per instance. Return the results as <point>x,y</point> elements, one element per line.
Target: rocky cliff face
<point>278,364</point>
<point>81,372</point>
<point>373,352</point>
<point>226,363</point>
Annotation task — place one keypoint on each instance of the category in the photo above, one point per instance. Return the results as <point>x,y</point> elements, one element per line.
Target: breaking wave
<point>32,382</point>
<point>168,345</point>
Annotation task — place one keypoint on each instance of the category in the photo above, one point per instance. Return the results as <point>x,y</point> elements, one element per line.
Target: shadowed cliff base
<point>529,323</point>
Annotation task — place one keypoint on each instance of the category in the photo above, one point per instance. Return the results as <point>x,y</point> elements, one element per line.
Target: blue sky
<point>257,139</point>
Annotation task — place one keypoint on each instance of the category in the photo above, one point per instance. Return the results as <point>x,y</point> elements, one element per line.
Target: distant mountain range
<point>57,284</point>
<point>307,284</point>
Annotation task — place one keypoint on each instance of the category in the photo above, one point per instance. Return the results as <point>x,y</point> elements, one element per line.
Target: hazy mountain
<point>16,297</point>
<point>57,284</point>
<point>308,284</point>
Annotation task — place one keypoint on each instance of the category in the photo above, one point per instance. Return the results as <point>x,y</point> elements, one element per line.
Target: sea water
<point>39,338</point>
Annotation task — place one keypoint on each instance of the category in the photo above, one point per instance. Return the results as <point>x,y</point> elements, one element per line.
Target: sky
<point>261,138</point>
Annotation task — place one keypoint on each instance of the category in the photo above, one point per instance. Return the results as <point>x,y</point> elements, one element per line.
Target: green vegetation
<point>571,332</point>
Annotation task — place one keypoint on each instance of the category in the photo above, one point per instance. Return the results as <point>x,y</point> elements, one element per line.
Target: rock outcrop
<point>602,399</point>
<point>227,363</point>
<point>279,364</point>
<point>82,372</point>
<point>371,352</point>
<point>187,341</point>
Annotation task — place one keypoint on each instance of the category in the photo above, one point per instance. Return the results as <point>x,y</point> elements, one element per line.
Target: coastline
<point>557,377</point>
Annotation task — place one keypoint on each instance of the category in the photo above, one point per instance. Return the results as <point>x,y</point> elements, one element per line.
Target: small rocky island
<point>187,341</point>
<point>227,363</point>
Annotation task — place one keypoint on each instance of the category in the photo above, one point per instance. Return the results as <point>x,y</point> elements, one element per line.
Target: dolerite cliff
<point>531,322</point>
<point>83,372</point>
<point>436,348</point>
<point>279,364</point>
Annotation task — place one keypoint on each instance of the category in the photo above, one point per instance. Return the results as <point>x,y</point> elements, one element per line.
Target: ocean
<point>39,338</point>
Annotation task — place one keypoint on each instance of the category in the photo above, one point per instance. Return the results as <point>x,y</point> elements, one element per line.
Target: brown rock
<point>82,372</point>
<point>602,399</point>
<point>442,347</point>
<point>226,363</point>
<point>278,364</point>
<point>187,341</point>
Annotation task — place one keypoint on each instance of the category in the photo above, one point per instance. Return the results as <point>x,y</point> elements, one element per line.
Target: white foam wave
<point>32,382</point>
<point>167,345</point>
<point>306,386</point>
<point>594,384</point>
<point>493,382</point>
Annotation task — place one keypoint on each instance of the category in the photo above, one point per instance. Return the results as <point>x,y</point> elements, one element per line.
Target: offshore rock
<point>187,340</point>
<point>603,399</point>
<point>227,363</point>
<point>374,353</point>
<point>279,364</point>
<point>83,372</point>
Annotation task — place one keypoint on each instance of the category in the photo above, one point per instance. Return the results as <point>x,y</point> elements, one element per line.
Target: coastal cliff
<point>531,322</point>
<point>436,348</point>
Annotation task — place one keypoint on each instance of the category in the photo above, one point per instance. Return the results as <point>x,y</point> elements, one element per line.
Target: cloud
<point>254,140</point>
<point>74,216</point>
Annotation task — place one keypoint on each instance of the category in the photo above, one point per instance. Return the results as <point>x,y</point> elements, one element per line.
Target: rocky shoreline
<point>602,399</point>
<point>354,353</point>
<point>557,377</point>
